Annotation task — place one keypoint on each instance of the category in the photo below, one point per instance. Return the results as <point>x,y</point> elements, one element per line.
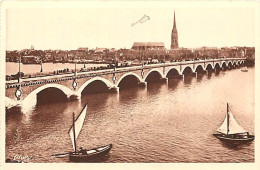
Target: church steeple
<point>174,38</point>
<point>174,22</point>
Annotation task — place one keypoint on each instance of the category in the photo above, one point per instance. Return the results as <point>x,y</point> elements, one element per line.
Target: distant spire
<point>174,23</point>
<point>174,37</point>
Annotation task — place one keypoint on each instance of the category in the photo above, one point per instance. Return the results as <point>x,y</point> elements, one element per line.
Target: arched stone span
<point>174,70</point>
<point>187,69</point>
<point>217,66</point>
<point>209,66</point>
<point>107,82</point>
<point>128,74</point>
<point>31,99</point>
<point>224,65</point>
<point>230,64</point>
<point>234,64</point>
<point>198,68</point>
<point>154,69</point>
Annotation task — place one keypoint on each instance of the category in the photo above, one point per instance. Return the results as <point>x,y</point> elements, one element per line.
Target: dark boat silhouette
<point>231,132</point>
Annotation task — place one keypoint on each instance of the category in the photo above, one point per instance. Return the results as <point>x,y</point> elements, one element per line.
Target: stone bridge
<point>72,85</point>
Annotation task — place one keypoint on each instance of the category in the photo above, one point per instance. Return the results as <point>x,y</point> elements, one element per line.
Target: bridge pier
<point>164,80</point>
<point>195,73</point>
<point>142,84</point>
<point>217,70</point>
<point>114,89</point>
<point>74,97</point>
<point>182,77</point>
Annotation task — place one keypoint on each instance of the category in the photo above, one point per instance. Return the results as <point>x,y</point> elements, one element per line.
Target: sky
<point>71,28</point>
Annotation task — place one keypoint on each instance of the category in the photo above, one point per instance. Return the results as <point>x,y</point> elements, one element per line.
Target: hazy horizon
<point>69,29</point>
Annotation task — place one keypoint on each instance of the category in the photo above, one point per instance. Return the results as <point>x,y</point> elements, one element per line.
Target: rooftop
<point>157,44</point>
<point>83,48</point>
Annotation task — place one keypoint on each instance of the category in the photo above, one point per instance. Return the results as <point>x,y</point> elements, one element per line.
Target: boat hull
<point>244,70</point>
<point>235,141</point>
<point>90,155</point>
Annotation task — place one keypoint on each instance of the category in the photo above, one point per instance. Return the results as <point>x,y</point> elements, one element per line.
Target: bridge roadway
<point>24,93</point>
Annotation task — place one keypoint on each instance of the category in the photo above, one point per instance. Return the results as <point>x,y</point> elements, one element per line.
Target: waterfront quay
<point>24,91</point>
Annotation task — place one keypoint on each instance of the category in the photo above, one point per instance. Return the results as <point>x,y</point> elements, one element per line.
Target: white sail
<point>223,127</point>
<point>234,127</point>
<point>78,123</point>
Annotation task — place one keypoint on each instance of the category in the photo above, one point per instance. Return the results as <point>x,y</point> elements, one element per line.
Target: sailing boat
<point>82,155</point>
<point>230,131</point>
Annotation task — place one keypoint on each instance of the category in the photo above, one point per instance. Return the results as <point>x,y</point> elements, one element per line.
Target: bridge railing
<point>118,70</point>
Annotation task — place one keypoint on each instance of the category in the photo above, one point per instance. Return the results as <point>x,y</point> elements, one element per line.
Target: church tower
<point>174,43</point>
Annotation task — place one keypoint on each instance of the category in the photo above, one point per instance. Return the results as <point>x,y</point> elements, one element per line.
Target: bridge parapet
<point>80,75</point>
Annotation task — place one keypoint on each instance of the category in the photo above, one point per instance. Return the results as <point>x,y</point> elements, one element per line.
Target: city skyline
<point>113,27</point>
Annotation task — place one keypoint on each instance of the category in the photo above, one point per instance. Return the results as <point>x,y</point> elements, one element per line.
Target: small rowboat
<point>83,155</point>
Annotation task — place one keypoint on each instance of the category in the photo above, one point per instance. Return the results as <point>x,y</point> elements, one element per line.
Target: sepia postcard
<point>151,84</point>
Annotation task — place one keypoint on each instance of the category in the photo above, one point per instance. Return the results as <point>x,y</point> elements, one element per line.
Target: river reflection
<point>173,83</point>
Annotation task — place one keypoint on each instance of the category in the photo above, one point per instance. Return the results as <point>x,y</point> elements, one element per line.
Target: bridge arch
<point>217,66</point>
<point>234,64</point>
<point>224,64</point>
<point>31,99</point>
<point>128,74</point>
<point>105,81</point>
<point>229,64</point>
<point>198,68</point>
<point>209,66</point>
<point>187,70</point>
<point>153,70</point>
<point>174,71</point>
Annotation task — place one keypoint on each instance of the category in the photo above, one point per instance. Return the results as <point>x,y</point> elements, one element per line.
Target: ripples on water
<point>170,122</point>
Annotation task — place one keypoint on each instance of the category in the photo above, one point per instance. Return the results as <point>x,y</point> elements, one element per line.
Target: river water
<point>163,122</point>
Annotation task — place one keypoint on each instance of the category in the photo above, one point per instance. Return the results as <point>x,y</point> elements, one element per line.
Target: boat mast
<point>227,120</point>
<point>74,134</point>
